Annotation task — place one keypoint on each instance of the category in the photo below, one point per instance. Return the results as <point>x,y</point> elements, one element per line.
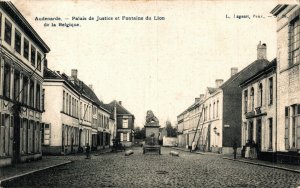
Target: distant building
<point>124,121</point>
<point>22,59</point>
<point>259,111</point>
<point>220,112</point>
<point>187,123</point>
<point>288,81</point>
<point>75,118</point>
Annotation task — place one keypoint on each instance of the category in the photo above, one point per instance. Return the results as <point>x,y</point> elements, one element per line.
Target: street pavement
<point>152,170</point>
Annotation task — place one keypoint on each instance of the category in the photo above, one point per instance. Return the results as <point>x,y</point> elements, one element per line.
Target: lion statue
<point>150,117</point>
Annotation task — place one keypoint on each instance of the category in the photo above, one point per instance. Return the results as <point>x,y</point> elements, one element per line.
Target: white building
<point>22,57</point>
<point>75,118</point>
<point>288,81</point>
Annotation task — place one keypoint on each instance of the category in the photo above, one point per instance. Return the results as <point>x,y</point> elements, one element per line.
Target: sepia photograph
<point>150,93</point>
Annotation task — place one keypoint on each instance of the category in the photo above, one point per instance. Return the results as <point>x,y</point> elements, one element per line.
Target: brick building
<point>124,123</point>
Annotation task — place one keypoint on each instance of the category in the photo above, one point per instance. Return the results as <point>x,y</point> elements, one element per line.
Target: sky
<point>158,65</point>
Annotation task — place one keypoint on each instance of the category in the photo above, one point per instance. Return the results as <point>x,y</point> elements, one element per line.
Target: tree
<point>171,131</point>
<point>139,133</point>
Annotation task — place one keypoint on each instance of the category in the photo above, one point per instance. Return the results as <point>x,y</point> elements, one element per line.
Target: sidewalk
<point>11,172</point>
<point>288,167</point>
<point>197,152</point>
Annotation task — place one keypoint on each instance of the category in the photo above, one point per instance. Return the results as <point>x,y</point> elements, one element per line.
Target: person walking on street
<point>87,151</point>
<point>234,149</point>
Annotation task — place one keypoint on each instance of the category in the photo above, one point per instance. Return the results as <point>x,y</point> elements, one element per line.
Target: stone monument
<point>152,133</point>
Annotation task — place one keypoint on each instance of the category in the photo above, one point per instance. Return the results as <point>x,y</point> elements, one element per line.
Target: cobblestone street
<point>151,170</point>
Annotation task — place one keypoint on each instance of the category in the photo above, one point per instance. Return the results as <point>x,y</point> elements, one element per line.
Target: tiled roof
<point>78,85</point>
<point>247,72</point>
<point>49,74</point>
<point>268,67</point>
<point>211,90</point>
<point>120,109</point>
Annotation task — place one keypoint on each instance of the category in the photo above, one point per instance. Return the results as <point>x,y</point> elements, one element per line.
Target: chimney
<point>197,99</point>
<point>74,73</point>
<point>261,51</point>
<point>234,70</point>
<point>201,96</point>
<point>219,82</point>
<point>58,72</point>
<point>120,102</point>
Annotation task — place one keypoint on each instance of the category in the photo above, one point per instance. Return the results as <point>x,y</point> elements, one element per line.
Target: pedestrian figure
<point>87,151</point>
<point>234,146</point>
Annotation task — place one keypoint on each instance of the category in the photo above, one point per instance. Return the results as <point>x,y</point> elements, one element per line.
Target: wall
<point>288,78</point>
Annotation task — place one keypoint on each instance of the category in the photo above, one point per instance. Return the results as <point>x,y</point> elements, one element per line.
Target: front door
<point>258,136</point>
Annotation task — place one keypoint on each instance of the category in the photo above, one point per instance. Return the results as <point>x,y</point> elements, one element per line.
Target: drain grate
<point>161,172</point>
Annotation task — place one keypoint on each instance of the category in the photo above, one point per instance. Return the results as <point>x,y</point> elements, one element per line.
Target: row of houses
<point>45,111</point>
<point>259,105</point>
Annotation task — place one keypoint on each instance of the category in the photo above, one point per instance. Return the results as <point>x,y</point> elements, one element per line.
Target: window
<point>67,103</point>
<point>0,23</point>
<point>17,41</point>
<point>270,133</point>
<point>38,97</point>
<point>70,107</point>
<point>217,114</point>
<point>296,127</point>
<point>125,137</point>
<point>287,125</point>
<point>63,107</point>
<point>245,100</point>
<point>252,98</point>
<point>32,56</point>
<point>294,41</point>
<point>43,100</point>
<point>31,93</point>
<point>16,85</point>
<point>125,123</point>
<point>214,110</point>
<point>26,48</point>
<point>209,111</point>
<point>271,90</point>
<point>7,32</point>
<point>25,90</point>
<point>6,81</point>
<point>39,60</point>
<point>260,95</point>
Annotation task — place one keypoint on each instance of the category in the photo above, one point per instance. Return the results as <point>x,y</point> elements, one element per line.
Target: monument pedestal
<point>152,133</point>
<point>152,128</point>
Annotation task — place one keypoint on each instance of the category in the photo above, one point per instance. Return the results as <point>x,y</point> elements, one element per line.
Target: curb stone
<point>260,164</point>
<point>31,172</point>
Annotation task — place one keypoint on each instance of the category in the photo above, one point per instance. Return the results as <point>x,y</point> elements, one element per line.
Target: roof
<point>270,66</point>
<point>211,90</point>
<point>278,9</point>
<point>11,10</point>
<point>78,85</point>
<point>120,109</point>
<point>247,72</point>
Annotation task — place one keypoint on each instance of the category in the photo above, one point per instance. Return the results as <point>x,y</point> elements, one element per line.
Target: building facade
<point>22,57</point>
<point>219,111</point>
<point>259,111</point>
<point>75,118</point>
<point>288,79</point>
<point>124,123</point>
<point>187,124</point>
